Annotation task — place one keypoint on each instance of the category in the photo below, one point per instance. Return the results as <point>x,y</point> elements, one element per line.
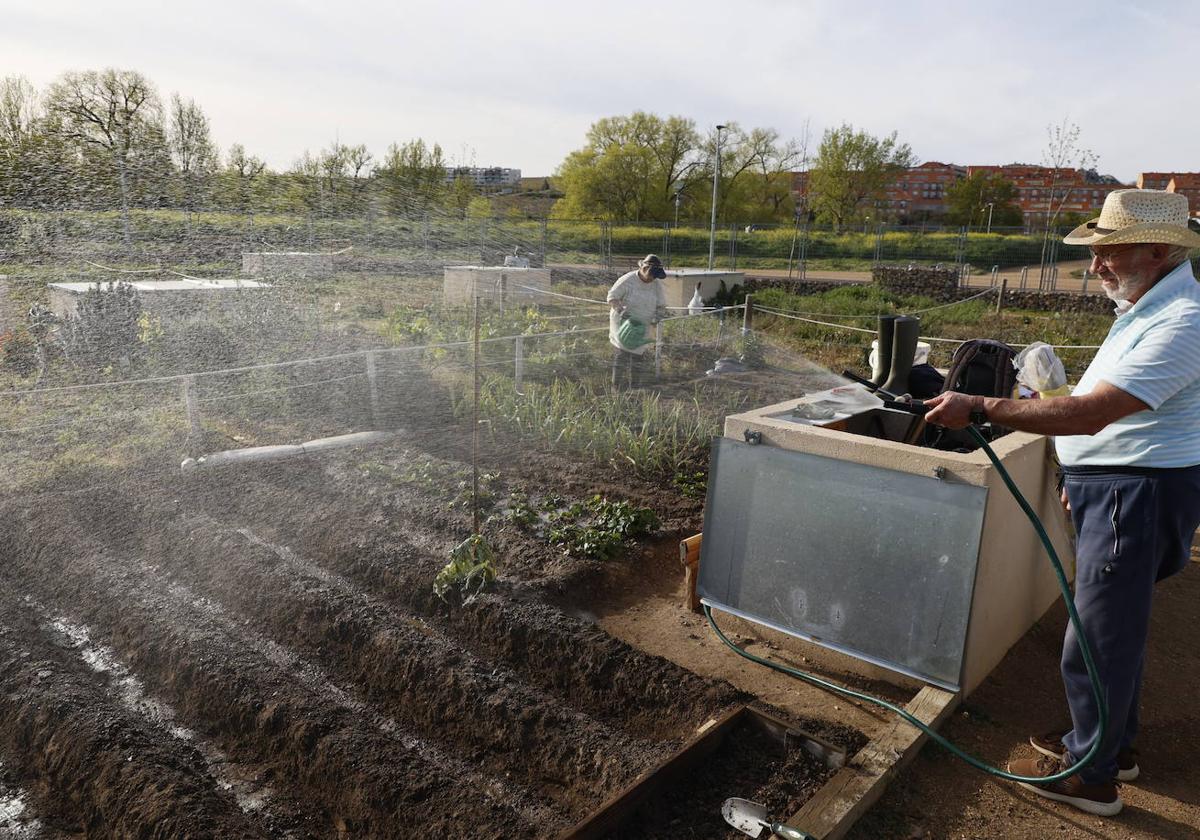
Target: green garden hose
<point>1097,694</point>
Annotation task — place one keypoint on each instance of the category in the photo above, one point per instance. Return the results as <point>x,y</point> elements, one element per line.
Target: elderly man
<point>636,301</point>
<point>1128,439</point>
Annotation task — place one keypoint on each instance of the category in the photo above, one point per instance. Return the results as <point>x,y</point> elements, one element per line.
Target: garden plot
<point>273,636</point>
<point>286,620</point>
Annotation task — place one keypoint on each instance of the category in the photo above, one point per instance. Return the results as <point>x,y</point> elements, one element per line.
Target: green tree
<point>983,197</point>
<point>114,118</point>
<point>755,184</point>
<point>412,178</point>
<point>630,168</point>
<point>35,169</point>
<point>851,170</point>
<point>242,173</point>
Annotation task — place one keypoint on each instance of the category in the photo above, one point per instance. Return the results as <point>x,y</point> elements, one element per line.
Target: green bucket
<point>631,334</point>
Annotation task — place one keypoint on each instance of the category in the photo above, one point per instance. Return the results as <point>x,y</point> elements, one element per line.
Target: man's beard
<point>1127,286</point>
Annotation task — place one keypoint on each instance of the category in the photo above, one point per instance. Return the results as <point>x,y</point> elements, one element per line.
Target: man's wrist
<point>979,411</point>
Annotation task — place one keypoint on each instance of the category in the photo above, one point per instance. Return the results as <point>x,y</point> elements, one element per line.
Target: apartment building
<point>485,177</point>
<point>1185,183</point>
<point>919,193</point>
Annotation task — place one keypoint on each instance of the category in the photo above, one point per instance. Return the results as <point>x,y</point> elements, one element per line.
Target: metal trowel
<point>751,818</point>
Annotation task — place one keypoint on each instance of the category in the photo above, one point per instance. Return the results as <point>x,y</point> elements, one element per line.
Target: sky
<point>517,83</point>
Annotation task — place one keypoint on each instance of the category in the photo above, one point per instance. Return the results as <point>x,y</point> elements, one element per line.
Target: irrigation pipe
<point>1085,649</point>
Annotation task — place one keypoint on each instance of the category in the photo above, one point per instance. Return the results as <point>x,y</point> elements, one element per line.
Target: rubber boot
<point>904,348</point>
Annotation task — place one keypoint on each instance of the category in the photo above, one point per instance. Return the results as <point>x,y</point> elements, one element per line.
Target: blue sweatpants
<point>1133,528</point>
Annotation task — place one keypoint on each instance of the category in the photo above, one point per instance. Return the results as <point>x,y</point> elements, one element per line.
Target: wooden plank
<point>611,817</point>
<point>856,787</point>
<point>613,813</point>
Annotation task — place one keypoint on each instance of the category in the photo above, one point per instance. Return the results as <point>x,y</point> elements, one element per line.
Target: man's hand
<point>952,409</point>
<point>1066,503</point>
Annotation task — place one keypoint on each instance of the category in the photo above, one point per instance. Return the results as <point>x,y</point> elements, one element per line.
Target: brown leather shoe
<point>1051,744</point>
<point>1101,800</point>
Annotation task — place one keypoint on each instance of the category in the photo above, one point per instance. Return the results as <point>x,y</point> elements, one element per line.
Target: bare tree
<point>19,109</point>
<point>192,148</point>
<point>244,169</point>
<point>358,166</point>
<point>112,111</point>
<point>1067,161</point>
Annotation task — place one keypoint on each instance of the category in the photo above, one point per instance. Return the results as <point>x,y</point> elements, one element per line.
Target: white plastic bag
<point>1039,369</point>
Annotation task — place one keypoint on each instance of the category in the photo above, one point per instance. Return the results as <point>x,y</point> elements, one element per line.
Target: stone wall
<point>937,283</point>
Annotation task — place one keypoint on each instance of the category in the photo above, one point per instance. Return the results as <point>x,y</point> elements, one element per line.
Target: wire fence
<point>75,241</point>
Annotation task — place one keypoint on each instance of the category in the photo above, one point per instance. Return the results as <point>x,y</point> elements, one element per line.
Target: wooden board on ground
<point>846,797</point>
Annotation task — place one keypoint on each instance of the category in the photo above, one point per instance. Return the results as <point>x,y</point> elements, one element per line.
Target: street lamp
<point>989,224</point>
<point>712,227</point>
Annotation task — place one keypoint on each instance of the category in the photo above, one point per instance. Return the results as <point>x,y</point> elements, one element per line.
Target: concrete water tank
<point>461,284</point>
<point>1012,584</point>
<point>680,284</point>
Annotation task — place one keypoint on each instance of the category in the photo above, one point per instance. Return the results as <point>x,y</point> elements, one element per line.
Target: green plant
<point>689,482</point>
<point>471,568</point>
<point>598,528</point>
<point>520,512</point>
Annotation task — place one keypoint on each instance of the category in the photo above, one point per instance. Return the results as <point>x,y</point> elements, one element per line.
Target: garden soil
<point>259,653</point>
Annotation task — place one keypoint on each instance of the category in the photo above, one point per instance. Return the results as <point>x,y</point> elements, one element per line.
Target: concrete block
<point>174,298</point>
<point>283,265</point>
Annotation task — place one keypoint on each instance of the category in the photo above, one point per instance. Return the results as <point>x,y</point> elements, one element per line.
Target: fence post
<point>733,236</point>
<point>543,262</point>
<point>519,361</point>
<point>1000,297</point>
<point>804,254</point>
<point>192,408</point>
<point>1085,282</point>
<point>1024,276</point>
<point>995,274</point>
<point>748,315</point>
<point>373,390</point>
<point>658,347</point>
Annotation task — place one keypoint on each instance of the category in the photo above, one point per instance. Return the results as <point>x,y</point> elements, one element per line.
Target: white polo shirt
<point>1152,352</point>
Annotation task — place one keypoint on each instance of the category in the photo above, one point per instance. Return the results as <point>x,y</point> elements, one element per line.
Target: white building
<point>485,177</point>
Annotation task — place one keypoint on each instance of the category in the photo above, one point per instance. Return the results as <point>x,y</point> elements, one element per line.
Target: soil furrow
<point>503,792</point>
<point>245,783</point>
<point>368,784</point>
<point>645,695</point>
<point>104,770</point>
<point>404,666</point>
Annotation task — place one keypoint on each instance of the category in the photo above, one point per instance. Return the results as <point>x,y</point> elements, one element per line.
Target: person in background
<point>1128,439</point>
<point>636,301</point>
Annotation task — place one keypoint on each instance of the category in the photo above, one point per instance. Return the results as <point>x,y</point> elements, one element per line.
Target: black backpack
<point>979,366</point>
<point>984,367</point>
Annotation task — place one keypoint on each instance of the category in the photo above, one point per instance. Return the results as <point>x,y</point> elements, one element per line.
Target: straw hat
<point>1130,216</point>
